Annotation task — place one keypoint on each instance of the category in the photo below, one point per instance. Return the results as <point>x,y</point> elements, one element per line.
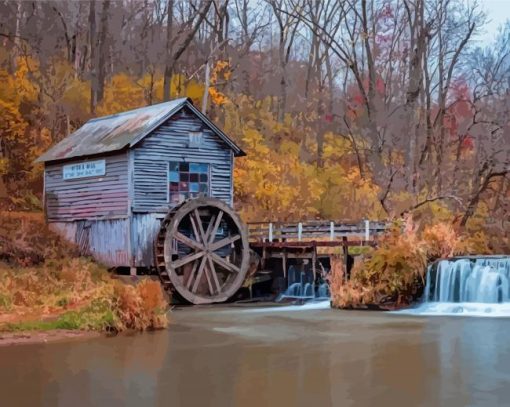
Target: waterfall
<point>467,286</point>
<point>480,280</point>
<point>302,287</point>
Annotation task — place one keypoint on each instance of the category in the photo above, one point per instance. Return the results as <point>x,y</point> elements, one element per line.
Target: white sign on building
<point>85,169</point>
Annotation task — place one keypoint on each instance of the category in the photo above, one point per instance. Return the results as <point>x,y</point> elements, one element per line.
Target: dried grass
<point>25,240</point>
<point>140,307</point>
<point>42,278</point>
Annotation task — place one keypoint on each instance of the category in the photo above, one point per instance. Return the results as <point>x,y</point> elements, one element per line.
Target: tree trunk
<point>103,51</point>
<point>168,71</point>
<point>206,85</point>
<point>93,53</point>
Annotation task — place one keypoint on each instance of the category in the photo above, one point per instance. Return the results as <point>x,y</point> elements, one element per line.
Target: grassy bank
<point>393,274</point>
<point>46,285</point>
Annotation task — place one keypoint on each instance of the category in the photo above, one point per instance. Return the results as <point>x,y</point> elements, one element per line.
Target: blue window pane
<point>174,166</point>
<point>194,167</point>
<point>203,188</point>
<point>193,187</point>
<point>204,168</point>
<point>173,176</point>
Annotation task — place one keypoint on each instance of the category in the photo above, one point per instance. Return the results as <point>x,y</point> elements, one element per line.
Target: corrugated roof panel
<point>118,131</point>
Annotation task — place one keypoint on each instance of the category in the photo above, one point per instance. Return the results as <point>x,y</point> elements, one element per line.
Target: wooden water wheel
<point>202,251</point>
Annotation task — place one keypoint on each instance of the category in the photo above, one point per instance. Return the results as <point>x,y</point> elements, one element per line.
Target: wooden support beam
<point>314,260</point>
<point>346,255</point>
<point>284,263</point>
<point>312,243</point>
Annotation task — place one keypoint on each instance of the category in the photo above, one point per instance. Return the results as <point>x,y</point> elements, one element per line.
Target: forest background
<point>347,109</point>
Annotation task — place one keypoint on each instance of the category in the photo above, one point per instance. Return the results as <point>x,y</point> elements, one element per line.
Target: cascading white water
<point>302,287</point>
<point>483,280</point>
<point>467,286</point>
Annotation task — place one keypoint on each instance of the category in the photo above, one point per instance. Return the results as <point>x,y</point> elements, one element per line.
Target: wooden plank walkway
<point>313,233</point>
<point>278,240</point>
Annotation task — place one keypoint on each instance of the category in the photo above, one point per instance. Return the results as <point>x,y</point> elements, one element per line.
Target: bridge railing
<point>314,231</point>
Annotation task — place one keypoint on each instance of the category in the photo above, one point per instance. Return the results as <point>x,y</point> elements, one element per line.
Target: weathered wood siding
<point>87,198</point>
<point>170,143</point>
<point>144,231</point>
<point>104,240</point>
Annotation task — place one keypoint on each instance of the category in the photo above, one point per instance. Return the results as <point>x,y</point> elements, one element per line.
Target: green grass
<point>98,317</point>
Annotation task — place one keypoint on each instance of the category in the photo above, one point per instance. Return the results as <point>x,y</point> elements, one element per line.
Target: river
<point>231,356</point>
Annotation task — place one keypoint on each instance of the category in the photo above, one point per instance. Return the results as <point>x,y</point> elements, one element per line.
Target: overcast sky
<point>498,11</point>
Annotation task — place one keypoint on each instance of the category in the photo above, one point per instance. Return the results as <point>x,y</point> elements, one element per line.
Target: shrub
<point>440,241</point>
<point>140,307</point>
<point>395,270</point>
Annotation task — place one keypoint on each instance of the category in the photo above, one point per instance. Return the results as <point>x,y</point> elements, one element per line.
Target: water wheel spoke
<point>225,264</point>
<point>216,226</point>
<point>212,221</point>
<point>194,225</point>
<point>198,221</point>
<point>214,275</point>
<point>208,277</point>
<point>187,259</point>
<point>224,242</point>
<point>199,275</point>
<point>192,275</point>
<point>188,242</point>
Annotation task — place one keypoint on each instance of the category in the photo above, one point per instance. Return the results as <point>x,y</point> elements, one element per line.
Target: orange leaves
<point>221,72</point>
<point>217,98</point>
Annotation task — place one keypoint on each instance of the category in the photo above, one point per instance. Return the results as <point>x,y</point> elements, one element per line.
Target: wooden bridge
<point>302,240</point>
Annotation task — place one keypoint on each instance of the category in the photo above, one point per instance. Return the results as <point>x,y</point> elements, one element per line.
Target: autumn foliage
<point>393,274</point>
<point>44,283</point>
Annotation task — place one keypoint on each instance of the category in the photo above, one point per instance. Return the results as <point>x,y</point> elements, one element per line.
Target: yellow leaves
<point>195,91</point>
<point>274,184</point>
<point>221,72</point>
<point>25,87</point>
<point>4,166</point>
<point>12,125</point>
<point>121,94</point>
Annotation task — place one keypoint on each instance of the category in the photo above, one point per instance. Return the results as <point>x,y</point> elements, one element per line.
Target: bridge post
<point>367,230</point>
<point>345,247</point>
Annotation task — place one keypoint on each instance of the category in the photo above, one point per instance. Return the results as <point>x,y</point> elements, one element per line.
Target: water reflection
<point>318,357</point>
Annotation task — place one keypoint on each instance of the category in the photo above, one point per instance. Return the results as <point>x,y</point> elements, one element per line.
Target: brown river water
<point>232,356</point>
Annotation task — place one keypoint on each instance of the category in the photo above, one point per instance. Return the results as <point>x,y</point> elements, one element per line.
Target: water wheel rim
<point>203,258</point>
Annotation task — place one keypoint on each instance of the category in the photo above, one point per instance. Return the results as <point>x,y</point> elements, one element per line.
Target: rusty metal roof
<point>118,131</point>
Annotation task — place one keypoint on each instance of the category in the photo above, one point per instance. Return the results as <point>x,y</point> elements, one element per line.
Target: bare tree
<point>288,24</point>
